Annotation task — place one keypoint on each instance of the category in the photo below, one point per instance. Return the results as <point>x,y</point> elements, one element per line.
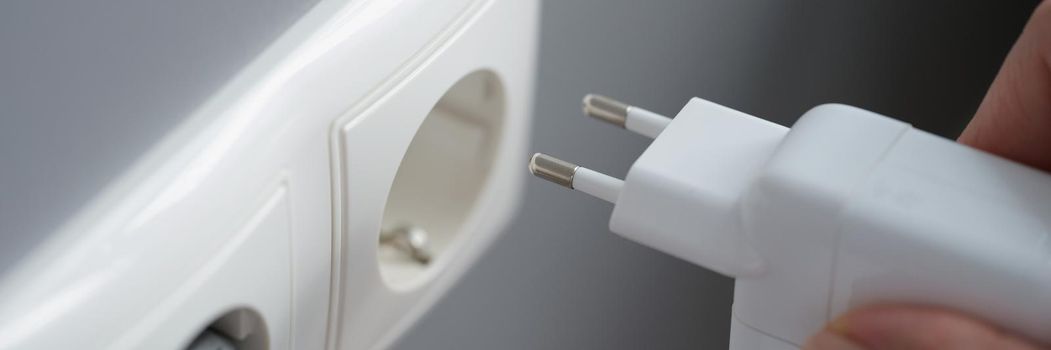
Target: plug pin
<point>606,109</point>
<point>575,177</point>
<point>553,169</point>
<point>621,114</point>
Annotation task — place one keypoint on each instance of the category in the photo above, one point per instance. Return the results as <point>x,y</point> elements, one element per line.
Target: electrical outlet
<point>285,212</point>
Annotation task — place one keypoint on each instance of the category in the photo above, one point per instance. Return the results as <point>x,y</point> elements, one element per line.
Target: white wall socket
<point>260,216</point>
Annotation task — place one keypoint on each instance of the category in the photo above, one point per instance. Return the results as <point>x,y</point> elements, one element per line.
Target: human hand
<point>911,327</point>
<point>1013,121</point>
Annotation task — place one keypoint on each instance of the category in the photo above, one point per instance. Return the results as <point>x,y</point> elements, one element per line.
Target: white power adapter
<point>845,209</point>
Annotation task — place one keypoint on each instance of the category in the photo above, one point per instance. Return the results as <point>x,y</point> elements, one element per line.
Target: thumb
<point>1014,119</point>
<point>897,327</point>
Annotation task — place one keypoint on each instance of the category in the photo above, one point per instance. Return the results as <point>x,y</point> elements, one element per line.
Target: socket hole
<point>440,177</point>
<point>240,328</point>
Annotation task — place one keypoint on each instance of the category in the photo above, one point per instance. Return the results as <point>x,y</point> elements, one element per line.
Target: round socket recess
<point>445,168</point>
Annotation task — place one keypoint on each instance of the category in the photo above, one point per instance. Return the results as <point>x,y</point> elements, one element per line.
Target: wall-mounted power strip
<point>324,199</point>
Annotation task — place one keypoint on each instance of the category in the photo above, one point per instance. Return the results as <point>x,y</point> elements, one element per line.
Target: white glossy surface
<point>234,208</point>
<point>494,37</point>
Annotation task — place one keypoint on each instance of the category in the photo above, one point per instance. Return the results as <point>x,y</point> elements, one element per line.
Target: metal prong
<point>409,239</point>
<point>553,169</point>
<point>606,109</point>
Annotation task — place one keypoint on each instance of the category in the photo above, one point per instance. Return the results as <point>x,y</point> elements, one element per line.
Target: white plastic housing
<point>453,131</point>
<point>848,208</point>
<point>260,215</point>
<point>644,122</point>
<point>691,179</point>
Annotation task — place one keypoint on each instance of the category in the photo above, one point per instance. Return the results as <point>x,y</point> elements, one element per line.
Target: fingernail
<point>830,340</point>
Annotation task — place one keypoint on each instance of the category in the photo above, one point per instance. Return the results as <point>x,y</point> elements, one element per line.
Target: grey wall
<point>559,280</point>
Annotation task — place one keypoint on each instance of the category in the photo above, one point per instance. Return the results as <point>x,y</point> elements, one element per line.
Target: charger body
<point>848,208</point>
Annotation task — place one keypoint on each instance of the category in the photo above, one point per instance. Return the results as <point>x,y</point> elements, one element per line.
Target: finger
<point>829,340</point>
<point>1014,119</point>
<point>896,327</point>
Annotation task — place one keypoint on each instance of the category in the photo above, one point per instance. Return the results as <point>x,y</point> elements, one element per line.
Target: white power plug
<point>847,208</point>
